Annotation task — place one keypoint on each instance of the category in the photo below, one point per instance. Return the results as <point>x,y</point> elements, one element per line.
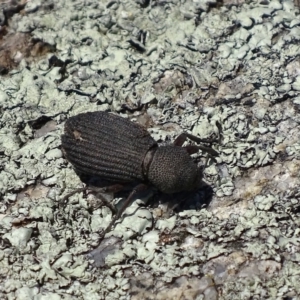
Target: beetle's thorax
<point>171,169</point>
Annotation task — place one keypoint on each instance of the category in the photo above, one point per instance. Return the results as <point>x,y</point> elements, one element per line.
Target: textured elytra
<point>106,145</point>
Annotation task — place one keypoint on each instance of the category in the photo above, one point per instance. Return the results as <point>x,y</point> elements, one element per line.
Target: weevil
<point>117,150</point>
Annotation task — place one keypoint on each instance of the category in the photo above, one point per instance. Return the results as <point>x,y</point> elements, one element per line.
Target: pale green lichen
<point>199,69</point>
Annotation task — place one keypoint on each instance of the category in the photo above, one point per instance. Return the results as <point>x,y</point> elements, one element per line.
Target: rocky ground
<point>207,67</point>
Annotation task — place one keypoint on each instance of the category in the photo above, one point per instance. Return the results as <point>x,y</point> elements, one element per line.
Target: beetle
<point>117,150</point>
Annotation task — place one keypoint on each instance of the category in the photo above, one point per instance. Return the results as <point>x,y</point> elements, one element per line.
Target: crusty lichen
<point>176,67</point>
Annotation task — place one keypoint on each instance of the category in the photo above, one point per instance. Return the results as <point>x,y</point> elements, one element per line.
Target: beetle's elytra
<point>118,150</point>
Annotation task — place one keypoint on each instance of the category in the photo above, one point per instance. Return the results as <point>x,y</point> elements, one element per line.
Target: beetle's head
<point>172,170</point>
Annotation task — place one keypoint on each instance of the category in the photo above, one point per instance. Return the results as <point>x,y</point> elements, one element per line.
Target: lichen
<point>225,71</point>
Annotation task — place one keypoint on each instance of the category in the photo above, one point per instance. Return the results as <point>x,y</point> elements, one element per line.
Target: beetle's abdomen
<point>107,146</point>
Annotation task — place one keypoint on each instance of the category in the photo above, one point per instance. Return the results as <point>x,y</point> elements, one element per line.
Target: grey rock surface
<point>172,66</point>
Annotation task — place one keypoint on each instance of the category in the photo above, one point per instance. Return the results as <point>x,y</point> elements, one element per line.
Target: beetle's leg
<point>66,197</point>
<point>138,188</point>
<point>110,189</point>
<point>179,141</point>
<point>107,190</point>
<point>105,202</point>
<point>191,149</point>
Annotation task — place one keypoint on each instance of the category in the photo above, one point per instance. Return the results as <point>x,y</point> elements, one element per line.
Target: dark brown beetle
<point>117,150</point>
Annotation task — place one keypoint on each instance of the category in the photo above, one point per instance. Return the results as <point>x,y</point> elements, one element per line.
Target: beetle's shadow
<point>94,181</point>
<point>178,202</point>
